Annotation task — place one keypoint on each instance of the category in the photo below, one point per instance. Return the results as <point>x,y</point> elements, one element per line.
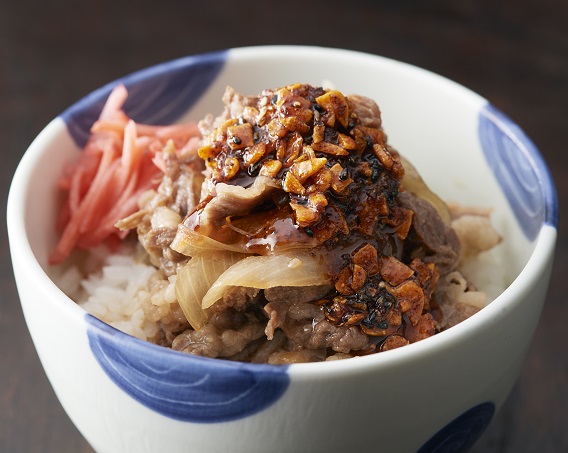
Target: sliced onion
<point>191,243</point>
<point>269,271</point>
<point>194,280</point>
<point>413,182</point>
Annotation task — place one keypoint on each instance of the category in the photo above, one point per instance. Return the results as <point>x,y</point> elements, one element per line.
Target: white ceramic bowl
<point>438,394</point>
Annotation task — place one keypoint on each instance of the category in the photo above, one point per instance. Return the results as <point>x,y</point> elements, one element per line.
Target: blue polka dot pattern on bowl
<point>520,171</point>
<point>158,95</point>
<point>183,387</point>
<point>461,434</point>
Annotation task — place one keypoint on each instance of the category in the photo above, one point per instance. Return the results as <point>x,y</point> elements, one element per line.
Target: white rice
<point>112,295</point>
<point>117,292</point>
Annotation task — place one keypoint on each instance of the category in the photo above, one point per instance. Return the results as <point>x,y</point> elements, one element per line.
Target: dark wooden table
<point>513,52</point>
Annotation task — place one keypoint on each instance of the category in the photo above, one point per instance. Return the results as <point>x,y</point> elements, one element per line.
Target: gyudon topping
<point>294,232</point>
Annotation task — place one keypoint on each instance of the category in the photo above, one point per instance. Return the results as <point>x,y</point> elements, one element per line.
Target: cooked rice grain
<point>117,293</point>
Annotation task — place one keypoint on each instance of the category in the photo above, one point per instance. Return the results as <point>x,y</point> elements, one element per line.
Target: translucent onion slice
<point>191,243</point>
<point>413,182</point>
<point>194,280</point>
<point>264,272</point>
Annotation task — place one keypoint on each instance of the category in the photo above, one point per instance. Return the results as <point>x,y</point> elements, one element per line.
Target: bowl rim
<point>493,313</point>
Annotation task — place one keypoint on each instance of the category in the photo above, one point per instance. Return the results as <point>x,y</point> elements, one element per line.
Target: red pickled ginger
<point>121,160</point>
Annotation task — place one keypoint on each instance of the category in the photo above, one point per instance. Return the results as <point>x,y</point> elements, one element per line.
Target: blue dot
<point>463,432</point>
<point>520,171</point>
<point>181,386</point>
<point>157,95</point>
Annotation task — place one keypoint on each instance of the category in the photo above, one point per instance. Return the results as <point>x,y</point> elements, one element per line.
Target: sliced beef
<point>236,297</point>
<point>430,238</point>
<point>305,327</point>
<point>295,298</point>
<point>229,200</point>
<point>366,110</point>
<point>215,341</point>
<point>240,106</point>
<point>458,299</point>
<point>161,212</point>
<point>322,335</point>
<point>205,342</point>
<point>293,295</point>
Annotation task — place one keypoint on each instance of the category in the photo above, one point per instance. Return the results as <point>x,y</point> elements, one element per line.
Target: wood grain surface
<point>513,52</point>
